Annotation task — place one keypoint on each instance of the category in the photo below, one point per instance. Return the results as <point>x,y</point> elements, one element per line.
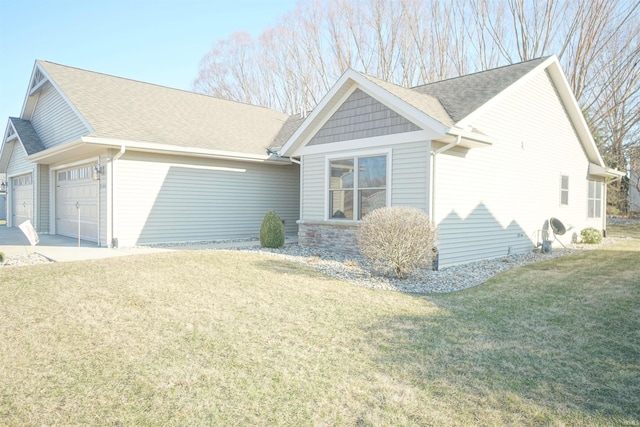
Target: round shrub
<point>272,231</point>
<point>397,240</point>
<point>591,235</point>
<point>1,257</point>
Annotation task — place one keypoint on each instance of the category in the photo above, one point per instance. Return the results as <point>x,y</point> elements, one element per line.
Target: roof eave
<point>345,85</point>
<point>468,138</point>
<point>185,151</point>
<point>604,172</point>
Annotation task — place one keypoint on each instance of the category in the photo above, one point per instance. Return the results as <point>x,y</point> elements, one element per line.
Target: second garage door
<point>77,203</point>
<point>22,198</point>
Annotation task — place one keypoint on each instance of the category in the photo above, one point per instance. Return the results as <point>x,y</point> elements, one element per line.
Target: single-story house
<point>490,156</point>
<point>124,163</point>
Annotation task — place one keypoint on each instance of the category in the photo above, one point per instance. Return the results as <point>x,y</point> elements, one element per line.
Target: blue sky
<point>156,41</point>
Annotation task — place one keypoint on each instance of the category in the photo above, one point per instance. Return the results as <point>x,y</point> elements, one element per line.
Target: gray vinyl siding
<point>41,193</point>
<point>18,163</point>
<point>494,201</point>
<point>54,120</point>
<point>361,116</point>
<point>313,208</point>
<point>167,199</point>
<point>410,172</point>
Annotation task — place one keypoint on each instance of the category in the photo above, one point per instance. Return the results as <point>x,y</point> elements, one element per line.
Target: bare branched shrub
<point>397,239</point>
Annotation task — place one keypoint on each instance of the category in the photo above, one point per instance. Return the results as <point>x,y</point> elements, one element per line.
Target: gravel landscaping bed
<point>353,269</point>
<point>449,279</point>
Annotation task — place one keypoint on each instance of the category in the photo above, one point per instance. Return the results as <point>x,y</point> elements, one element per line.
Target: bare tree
<point>290,66</point>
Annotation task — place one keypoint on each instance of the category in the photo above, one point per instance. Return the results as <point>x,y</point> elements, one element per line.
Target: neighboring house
<point>121,162</point>
<point>634,185</point>
<point>491,157</point>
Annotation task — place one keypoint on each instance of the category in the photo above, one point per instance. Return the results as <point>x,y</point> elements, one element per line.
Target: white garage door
<point>21,199</point>
<point>77,203</point>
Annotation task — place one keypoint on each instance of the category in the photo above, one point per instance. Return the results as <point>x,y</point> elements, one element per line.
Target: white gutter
<point>432,192</point>
<point>119,154</point>
<point>174,149</point>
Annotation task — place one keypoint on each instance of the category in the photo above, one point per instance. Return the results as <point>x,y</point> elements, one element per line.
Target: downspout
<point>603,208</point>
<point>114,241</point>
<point>432,192</point>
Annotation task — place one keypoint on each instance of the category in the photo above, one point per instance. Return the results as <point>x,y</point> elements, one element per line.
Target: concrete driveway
<point>60,248</point>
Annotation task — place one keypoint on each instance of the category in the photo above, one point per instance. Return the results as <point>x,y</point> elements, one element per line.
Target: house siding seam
<point>18,163</point>
<point>53,119</point>
<point>162,200</point>
<point>361,116</point>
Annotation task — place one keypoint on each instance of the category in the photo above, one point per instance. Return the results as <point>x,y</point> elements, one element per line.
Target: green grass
<point>220,338</point>
<point>628,229</point>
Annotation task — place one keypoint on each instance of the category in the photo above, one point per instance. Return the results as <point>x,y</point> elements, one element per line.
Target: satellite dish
<point>557,226</point>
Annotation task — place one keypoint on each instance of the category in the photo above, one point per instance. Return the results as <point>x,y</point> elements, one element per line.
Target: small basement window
<point>564,190</point>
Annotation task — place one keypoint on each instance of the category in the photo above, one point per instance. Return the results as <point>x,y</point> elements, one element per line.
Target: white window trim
<point>348,155</point>
<point>589,199</point>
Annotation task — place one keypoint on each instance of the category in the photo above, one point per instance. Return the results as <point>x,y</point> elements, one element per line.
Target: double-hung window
<point>594,199</point>
<point>357,186</point>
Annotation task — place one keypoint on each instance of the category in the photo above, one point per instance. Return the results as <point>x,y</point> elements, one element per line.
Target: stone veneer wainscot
<point>336,236</point>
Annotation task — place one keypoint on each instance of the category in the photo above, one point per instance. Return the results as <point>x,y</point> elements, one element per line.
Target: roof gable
<point>412,107</point>
<point>129,110</point>
<point>361,116</point>
<point>461,96</point>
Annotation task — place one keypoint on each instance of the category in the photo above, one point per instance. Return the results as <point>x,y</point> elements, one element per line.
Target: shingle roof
<point>28,136</point>
<point>423,102</point>
<point>288,128</point>
<point>119,108</point>
<point>460,96</point>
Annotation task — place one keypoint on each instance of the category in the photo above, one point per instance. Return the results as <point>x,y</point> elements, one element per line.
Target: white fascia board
<point>364,143</point>
<point>575,112</point>
<point>317,111</point>
<point>57,149</point>
<point>345,85</point>
<point>400,106</point>
<point>479,138</point>
<point>23,111</point>
<point>4,158</point>
<point>552,64</point>
<point>468,120</point>
<point>188,151</point>
<point>60,92</point>
<point>598,170</point>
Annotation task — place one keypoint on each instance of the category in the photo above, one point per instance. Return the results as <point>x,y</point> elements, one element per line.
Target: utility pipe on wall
<point>114,192</point>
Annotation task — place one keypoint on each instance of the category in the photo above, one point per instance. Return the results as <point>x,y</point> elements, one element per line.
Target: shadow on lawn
<point>529,346</point>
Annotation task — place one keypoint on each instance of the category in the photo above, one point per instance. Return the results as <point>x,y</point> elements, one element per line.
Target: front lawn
<point>232,338</point>
<point>624,229</point>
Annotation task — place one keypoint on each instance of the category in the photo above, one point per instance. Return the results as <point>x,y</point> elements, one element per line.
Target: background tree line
<point>290,66</point>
